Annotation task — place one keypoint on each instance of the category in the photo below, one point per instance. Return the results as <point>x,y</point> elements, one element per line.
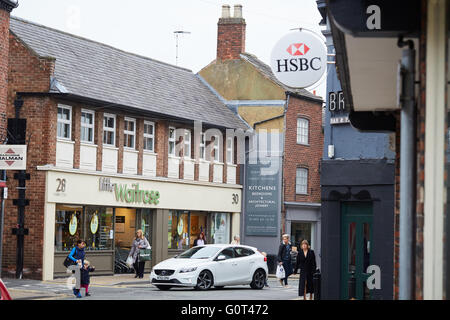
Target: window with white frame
<point>230,150</point>
<point>129,133</point>
<point>64,130</point>
<point>172,141</point>
<point>301,181</point>
<point>302,131</point>
<point>187,143</point>
<point>149,136</point>
<point>109,129</point>
<point>87,126</point>
<point>216,148</point>
<point>202,146</point>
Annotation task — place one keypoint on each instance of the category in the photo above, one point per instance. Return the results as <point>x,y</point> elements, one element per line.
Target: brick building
<point>289,116</point>
<point>114,146</point>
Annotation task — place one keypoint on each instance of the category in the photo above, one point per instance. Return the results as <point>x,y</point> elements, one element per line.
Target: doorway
<point>356,236</point>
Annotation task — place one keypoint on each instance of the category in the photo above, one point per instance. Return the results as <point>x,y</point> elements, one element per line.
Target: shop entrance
<point>127,222</point>
<point>356,233</point>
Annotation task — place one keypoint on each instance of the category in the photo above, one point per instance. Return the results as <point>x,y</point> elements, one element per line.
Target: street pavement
<point>126,287</point>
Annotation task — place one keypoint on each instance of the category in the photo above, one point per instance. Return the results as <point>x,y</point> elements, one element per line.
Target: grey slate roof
<point>267,71</point>
<point>97,71</point>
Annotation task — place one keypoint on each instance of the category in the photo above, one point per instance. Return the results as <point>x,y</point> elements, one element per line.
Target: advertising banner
<point>13,157</point>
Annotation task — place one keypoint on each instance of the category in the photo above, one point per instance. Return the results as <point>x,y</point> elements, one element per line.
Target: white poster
<point>13,157</point>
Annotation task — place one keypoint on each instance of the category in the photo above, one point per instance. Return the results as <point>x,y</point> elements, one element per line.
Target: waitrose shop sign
<point>129,194</point>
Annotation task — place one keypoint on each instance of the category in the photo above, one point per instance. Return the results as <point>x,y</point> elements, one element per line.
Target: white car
<point>217,265</point>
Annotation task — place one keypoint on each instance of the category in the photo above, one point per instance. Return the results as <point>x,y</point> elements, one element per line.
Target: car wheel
<point>204,280</point>
<point>164,288</point>
<point>258,279</point>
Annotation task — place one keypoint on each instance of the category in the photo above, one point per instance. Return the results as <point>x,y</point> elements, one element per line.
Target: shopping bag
<point>281,274</point>
<point>129,261</point>
<point>145,254</point>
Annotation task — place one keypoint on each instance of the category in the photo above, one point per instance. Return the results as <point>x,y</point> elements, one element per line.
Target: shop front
<point>106,212</point>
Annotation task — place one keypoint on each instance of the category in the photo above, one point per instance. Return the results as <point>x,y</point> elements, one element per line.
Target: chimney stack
<point>230,34</point>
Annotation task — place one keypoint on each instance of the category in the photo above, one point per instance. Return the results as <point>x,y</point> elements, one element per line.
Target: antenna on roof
<point>177,33</point>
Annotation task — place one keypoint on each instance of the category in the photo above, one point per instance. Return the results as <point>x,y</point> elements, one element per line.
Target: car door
<point>225,270</point>
<point>245,264</point>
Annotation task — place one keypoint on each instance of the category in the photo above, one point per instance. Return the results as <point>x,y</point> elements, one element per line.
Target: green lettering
<point>146,197</point>
<point>119,192</point>
<point>129,195</point>
<point>156,199</point>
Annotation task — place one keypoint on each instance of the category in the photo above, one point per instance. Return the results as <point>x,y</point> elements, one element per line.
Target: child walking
<point>85,277</point>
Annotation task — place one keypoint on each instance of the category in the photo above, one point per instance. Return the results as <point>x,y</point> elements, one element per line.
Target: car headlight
<point>185,270</point>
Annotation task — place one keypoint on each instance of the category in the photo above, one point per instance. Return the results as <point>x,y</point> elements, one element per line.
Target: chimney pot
<point>225,11</point>
<point>237,11</point>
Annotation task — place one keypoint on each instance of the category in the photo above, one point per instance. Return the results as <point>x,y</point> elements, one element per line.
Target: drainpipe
<point>407,172</point>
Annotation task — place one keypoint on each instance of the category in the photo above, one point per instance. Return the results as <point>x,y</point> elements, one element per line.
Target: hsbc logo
<point>297,49</point>
<point>299,59</point>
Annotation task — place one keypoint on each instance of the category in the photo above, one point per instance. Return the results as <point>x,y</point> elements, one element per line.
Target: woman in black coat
<point>306,262</point>
<point>284,258</point>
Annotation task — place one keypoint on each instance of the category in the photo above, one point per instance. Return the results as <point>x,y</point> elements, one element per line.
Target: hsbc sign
<point>299,59</point>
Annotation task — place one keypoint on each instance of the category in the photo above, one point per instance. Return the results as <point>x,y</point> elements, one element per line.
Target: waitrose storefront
<point>106,211</point>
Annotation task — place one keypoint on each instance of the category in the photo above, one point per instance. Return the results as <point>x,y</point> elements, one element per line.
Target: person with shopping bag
<point>284,259</point>
<point>139,245</point>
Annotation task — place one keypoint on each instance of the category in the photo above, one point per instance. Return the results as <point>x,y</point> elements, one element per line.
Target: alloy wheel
<point>204,280</point>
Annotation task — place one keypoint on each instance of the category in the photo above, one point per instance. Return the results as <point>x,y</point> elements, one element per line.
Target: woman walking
<point>140,242</point>
<point>77,256</point>
<point>284,258</point>
<point>306,262</point>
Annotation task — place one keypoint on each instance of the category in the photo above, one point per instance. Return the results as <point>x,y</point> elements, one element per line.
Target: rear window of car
<point>243,252</point>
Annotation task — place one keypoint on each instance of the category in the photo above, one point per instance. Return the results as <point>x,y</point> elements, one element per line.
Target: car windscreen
<point>199,253</point>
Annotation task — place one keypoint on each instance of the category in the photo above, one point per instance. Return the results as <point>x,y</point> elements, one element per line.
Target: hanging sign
<point>180,227</point>
<point>73,225</point>
<point>94,224</point>
<point>299,59</point>
<point>13,157</point>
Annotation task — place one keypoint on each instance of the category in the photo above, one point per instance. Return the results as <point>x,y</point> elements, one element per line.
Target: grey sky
<point>146,26</point>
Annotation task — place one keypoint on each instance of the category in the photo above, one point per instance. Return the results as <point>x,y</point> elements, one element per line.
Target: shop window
<point>179,230</point>
<point>64,129</point>
<point>67,226</point>
<point>92,224</point>
<point>220,228</point>
<point>302,131</point>
<point>129,133</point>
<point>149,136</point>
<point>301,231</point>
<point>87,126</point>
<point>109,129</point>
<point>98,224</point>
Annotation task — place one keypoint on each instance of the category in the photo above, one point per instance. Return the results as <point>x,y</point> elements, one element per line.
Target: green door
<point>356,233</point>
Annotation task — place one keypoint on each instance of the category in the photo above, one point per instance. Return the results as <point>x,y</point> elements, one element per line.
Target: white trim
<point>174,140</point>
<point>296,180</point>
<point>230,149</point>
<point>89,126</point>
<point>202,155</point>
<point>113,130</point>
<point>435,115</point>
<point>301,133</point>
<point>69,122</point>
<point>185,143</point>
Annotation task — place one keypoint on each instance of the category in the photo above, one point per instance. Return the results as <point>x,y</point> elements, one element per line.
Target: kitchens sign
<point>299,59</point>
<point>13,157</point>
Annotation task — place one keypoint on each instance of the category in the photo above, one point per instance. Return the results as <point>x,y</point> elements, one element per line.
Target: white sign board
<point>13,157</point>
<point>299,59</point>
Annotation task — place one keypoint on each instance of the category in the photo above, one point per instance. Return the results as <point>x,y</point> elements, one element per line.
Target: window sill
<point>130,150</point>
<point>87,144</point>
<point>109,147</point>
<point>150,153</point>
<point>304,144</point>
<point>65,140</point>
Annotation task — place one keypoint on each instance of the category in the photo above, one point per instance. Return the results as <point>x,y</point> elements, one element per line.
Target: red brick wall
<point>230,38</point>
<point>4,52</point>
<point>297,155</point>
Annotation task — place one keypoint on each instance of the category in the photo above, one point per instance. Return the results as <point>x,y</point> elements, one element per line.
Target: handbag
<point>69,262</point>
<point>145,254</point>
<point>281,274</point>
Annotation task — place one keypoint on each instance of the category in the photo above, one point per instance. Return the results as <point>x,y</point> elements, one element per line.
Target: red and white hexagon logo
<point>297,49</point>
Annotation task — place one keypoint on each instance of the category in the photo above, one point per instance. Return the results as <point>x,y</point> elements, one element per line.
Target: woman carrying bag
<point>139,244</point>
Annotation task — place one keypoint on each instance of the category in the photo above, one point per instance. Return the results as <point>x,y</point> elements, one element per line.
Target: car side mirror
<point>221,258</point>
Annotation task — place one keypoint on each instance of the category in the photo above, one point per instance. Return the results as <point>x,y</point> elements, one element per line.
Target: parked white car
<point>211,265</point>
